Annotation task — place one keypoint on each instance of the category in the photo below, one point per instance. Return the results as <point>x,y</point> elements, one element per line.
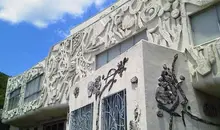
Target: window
<point>82,119</point>
<point>14,99</point>
<point>114,112</point>
<point>106,56</point>
<point>32,91</point>
<point>205,25</point>
<point>58,125</point>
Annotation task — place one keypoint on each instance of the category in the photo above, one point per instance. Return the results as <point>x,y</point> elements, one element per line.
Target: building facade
<point>138,65</point>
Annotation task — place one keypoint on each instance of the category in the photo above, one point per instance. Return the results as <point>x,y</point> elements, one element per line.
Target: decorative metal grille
<point>114,112</point>
<point>82,119</point>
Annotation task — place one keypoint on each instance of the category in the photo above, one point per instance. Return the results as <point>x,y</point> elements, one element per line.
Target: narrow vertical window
<point>114,112</point>
<point>141,35</point>
<point>205,26</point>
<point>127,44</point>
<point>82,119</point>
<point>101,59</point>
<point>32,91</point>
<point>14,99</point>
<point>113,52</point>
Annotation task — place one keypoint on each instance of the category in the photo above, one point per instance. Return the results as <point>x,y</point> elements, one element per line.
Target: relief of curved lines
<point>21,81</point>
<point>66,64</point>
<point>74,58</point>
<point>133,17</point>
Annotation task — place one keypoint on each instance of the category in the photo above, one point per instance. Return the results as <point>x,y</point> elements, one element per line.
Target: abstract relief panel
<point>21,82</point>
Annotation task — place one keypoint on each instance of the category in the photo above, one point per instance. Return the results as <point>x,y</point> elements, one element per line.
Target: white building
<point>110,73</point>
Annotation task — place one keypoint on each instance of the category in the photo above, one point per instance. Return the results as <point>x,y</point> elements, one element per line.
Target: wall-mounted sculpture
<point>96,88</point>
<point>134,124</point>
<point>168,96</point>
<point>76,92</point>
<point>201,59</point>
<point>134,80</point>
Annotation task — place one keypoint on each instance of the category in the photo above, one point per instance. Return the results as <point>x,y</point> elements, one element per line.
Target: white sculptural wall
<point>165,23</point>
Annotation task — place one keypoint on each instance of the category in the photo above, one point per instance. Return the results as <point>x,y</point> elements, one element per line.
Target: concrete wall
<point>71,63</point>
<point>134,94</point>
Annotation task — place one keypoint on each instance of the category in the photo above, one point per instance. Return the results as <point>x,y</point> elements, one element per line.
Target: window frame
<point>132,38</point>
<point>57,122</point>
<point>200,11</point>
<point>91,106</point>
<point>37,92</point>
<point>12,105</point>
<point>125,105</point>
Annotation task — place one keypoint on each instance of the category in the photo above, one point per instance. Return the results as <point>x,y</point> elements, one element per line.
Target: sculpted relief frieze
<point>20,82</point>
<point>204,60</point>
<point>74,58</point>
<point>204,64</point>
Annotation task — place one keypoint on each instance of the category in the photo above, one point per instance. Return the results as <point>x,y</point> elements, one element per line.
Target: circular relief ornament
<point>161,12</point>
<point>175,13</point>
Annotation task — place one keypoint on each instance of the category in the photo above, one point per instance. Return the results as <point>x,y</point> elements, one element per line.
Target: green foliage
<point>3,85</point>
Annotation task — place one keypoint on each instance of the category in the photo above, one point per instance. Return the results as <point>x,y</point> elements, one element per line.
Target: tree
<point>3,86</point>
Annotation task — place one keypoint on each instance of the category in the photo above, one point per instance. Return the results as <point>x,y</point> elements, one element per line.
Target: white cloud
<point>62,33</point>
<point>42,12</point>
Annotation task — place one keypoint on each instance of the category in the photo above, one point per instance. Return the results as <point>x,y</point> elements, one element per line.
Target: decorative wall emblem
<point>134,80</point>
<point>94,88</point>
<point>76,92</point>
<point>168,96</point>
<point>134,124</point>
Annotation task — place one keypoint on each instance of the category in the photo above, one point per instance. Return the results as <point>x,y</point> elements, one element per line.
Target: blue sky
<point>29,29</point>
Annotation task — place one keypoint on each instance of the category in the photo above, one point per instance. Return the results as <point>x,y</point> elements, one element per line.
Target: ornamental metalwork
<point>168,96</point>
<point>82,119</point>
<point>114,112</point>
<point>95,88</point>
